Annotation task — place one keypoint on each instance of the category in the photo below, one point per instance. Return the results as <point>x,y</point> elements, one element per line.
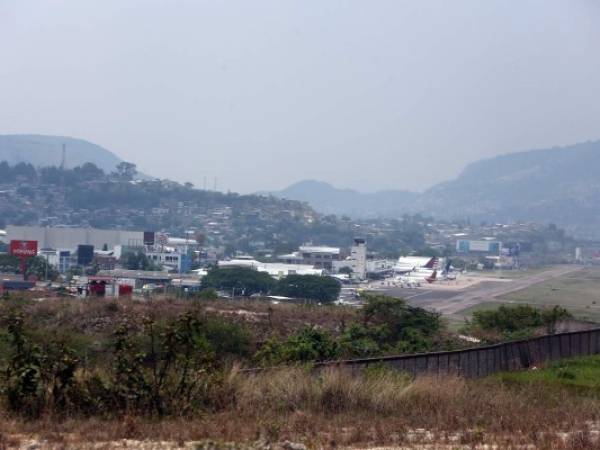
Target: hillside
<point>330,200</point>
<point>557,185</point>
<point>43,151</point>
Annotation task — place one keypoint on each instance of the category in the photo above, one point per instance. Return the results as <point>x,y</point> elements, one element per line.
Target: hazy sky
<point>367,94</point>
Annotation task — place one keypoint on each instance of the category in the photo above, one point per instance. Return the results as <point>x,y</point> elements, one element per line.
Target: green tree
<point>346,270</point>
<point>39,267</point>
<point>239,281</point>
<point>137,260</point>
<point>394,324</point>
<point>322,288</point>
<point>307,344</point>
<point>9,263</point>
<point>125,171</point>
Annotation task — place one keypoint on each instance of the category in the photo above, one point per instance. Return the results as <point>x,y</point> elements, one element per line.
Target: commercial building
<point>276,270</point>
<point>70,238</point>
<point>171,260</point>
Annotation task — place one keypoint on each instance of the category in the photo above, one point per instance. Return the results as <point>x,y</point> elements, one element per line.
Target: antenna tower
<point>63,161</point>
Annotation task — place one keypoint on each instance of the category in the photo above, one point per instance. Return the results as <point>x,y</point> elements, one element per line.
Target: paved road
<point>451,301</point>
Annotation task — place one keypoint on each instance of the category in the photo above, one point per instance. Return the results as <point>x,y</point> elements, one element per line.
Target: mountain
<point>43,151</point>
<point>559,185</point>
<point>330,200</point>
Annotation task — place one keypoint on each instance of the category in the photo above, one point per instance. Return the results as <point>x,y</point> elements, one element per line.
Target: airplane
<point>414,279</point>
<point>408,264</point>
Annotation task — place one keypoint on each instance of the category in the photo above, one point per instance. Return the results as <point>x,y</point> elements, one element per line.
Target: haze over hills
<point>330,200</point>
<point>42,151</point>
<point>559,185</point>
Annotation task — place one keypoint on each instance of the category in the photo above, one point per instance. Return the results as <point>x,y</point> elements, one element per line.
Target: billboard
<point>148,237</point>
<point>468,246</point>
<point>162,239</point>
<point>85,254</point>
<point>23,249</point>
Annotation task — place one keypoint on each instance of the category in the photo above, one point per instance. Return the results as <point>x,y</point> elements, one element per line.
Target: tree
<point>9,263</point>
<point>393,323</point>
<point>139,261</point>
<point>90,172</point>
<point>346,270</point>
<point>315,287</point>
<point>39,267</point>
<point>125,171</point>
<point>239,281</point>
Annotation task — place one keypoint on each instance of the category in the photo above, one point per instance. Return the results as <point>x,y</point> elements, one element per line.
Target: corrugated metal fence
<point>482,361</point>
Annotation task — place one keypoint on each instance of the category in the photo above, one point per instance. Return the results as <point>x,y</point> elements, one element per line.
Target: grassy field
<point>580,375</point>
<point>579,292</point>
<point>508,274</point>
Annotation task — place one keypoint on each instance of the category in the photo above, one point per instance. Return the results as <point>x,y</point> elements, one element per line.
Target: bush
<point>516,321</point>
<point>308,344</point>
<point>395,325</point>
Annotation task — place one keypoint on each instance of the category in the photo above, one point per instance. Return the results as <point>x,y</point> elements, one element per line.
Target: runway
<point>451,301</point>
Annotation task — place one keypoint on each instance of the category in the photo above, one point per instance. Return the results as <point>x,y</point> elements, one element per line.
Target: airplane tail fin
<point>433,277</point>
<point>432,263</point>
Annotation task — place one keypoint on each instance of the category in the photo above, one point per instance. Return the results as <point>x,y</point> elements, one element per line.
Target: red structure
<point>23,250</point>
<point>99,286</point>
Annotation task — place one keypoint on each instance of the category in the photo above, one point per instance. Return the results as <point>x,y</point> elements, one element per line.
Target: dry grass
<point>327,409</point>
<point>98,316</point>
<point>339,408</point>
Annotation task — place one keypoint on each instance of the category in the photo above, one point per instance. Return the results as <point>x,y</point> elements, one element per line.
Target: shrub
<point>308,344</point>
<point>517,321</point>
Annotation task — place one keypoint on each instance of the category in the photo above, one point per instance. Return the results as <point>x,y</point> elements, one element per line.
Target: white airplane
<point>415,279</point>
<point>408,264</point>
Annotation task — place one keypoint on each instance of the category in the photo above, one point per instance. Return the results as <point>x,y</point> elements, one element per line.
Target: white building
<point>170,260</point>
<point>276,270</point>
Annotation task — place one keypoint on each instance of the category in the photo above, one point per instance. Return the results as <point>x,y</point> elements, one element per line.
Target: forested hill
<point>42,151</point>
<point>330,200</point>
<point>560,185</point>
<point>87,196</point>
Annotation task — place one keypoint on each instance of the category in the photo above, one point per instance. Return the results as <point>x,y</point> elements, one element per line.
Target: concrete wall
<point>482,361</point>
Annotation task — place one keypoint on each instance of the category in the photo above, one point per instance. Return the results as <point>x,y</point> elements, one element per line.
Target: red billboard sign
<point>23,249</point>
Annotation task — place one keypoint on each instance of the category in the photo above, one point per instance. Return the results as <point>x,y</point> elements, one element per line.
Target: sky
<point>259,94</point>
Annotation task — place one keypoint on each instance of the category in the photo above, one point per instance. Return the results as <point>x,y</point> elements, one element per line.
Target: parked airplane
<point>406,264</point>
<point>415,279</point>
